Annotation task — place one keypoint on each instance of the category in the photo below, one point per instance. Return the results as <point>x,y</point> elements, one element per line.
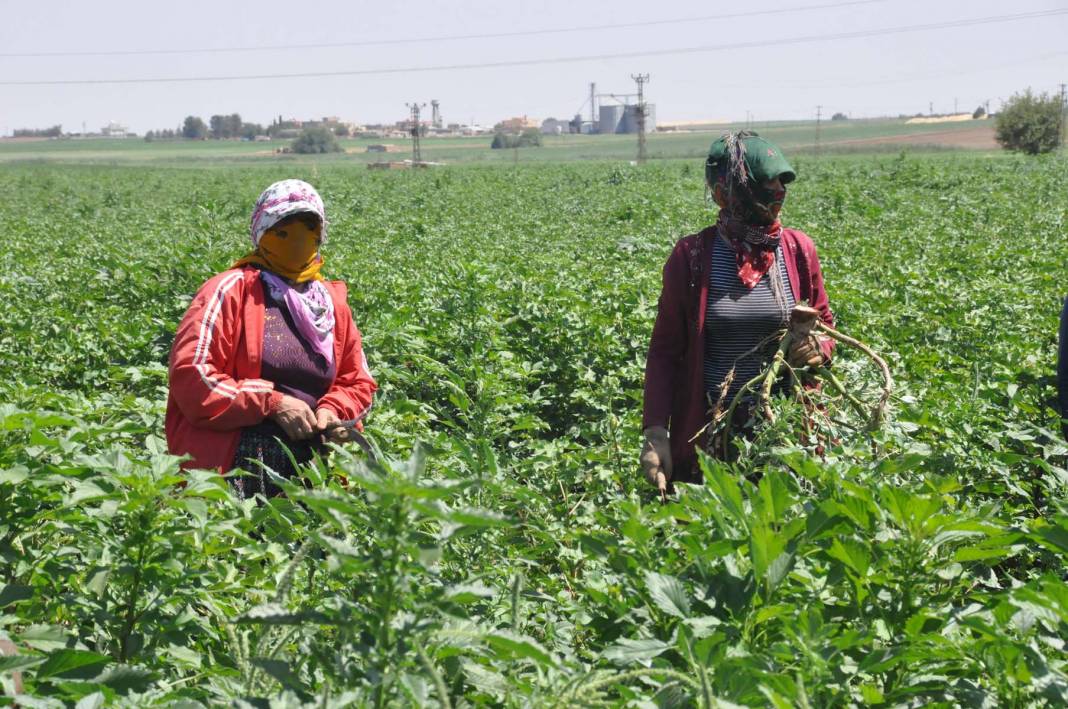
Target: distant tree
<point>839,117</point>
<point>150,136</point>
<point>251,130</point>
<point>978,113</point>
<point>1030,123</point>
<point>232,126</point>
<point>316,140</point>
<point>341,130</point>
<point>528,138</point>
<point>531,137</point>
<point>193,128</point>
<point>51,132</point>
<point>215,124</point>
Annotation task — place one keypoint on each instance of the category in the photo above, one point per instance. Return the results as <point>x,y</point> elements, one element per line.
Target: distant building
<point>114,130</point>
<point>515,125</point>
<point>554,126</point>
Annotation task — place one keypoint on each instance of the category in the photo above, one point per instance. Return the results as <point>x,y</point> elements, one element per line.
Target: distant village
<point>611,116</point>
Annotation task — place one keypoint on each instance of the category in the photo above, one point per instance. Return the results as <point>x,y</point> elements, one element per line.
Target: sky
<point>779,64</point>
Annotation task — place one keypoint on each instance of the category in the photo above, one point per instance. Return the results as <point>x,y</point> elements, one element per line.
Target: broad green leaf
<point>43,637</point>
<point>13,593</point>
<point>515,645</point>
<point>627,651</point>
<point>70,663</point>
<point>668,594</point>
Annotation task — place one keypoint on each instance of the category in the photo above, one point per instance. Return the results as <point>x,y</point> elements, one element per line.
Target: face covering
<point>291,250</point>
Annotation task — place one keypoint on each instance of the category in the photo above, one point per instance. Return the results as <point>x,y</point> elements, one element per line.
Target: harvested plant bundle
<point>804,322</point>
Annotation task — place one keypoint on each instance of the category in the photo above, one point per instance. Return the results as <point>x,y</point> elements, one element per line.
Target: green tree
<point>978,113</point>
<point>1030,123</point>
<point>531,137</point>
<point>251,130</point>
<point>316,140</point>
<point>194,128</point>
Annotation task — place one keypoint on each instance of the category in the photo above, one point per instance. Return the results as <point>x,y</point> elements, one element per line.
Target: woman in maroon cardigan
<point>725,290</point>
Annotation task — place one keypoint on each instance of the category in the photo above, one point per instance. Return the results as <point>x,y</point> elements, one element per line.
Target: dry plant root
<point>804,320</point>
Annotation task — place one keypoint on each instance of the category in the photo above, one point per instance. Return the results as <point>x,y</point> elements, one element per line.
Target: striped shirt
<point>737,319</point>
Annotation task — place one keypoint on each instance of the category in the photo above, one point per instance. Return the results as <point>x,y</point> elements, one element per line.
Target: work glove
<point>656,457</point>
<point>328,424</point>
<point>295,418</point>
<point>805,352</point>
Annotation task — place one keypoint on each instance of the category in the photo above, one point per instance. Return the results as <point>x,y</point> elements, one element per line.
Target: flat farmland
<point>504,549</point>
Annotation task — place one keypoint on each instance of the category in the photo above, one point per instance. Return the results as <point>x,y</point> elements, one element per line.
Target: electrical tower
<point>819,115</point>
<point>415,108</point>
<point>641,80</point>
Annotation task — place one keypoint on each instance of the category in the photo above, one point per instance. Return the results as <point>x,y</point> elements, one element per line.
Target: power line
<point>763,43</point>
<point>442,38</point>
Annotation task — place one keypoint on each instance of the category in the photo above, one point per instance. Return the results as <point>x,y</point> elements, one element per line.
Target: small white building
<point>114,130</point>
<point>554,126</point>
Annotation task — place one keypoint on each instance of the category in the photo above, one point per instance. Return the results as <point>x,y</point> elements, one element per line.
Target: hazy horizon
<point>776,70</point>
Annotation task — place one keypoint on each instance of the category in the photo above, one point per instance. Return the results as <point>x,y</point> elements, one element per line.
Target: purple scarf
<point>312,312</point>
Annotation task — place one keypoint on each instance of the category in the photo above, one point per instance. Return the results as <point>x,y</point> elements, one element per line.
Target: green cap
<point>763,159</point>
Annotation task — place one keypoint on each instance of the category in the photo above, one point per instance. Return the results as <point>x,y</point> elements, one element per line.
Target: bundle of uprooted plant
<point>804,323</point>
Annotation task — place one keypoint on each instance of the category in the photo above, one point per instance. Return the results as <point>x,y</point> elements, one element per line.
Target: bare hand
<point>326,423</point>
<point>805,353</point>
<point>656,457</point>
<point>295,417</point>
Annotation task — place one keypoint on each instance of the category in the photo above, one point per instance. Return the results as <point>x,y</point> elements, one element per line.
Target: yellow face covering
<point>290,250</point>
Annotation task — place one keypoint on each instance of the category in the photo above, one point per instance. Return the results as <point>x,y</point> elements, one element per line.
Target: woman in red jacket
<point>268,352</point>
<point>725,290</point>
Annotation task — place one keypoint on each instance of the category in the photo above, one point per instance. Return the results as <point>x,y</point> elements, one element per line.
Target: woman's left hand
<point>327,424</point>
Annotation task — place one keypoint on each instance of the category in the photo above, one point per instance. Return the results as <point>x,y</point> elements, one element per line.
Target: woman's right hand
<point>295,417</point>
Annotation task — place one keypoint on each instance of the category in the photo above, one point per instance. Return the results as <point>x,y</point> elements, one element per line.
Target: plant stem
<point>771,375</point>
<point>879,412</point>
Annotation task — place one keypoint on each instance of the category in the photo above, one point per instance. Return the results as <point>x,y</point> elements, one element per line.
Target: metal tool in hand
<point>354,434</point>
<point>350,424</point>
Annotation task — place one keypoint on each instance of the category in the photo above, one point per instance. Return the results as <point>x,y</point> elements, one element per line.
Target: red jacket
<point>674,368</point>
<point>215,385</point>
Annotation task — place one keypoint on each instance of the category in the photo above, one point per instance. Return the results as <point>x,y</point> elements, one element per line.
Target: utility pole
<point>819,115</point>
<point>641,80</point>
<point>593,107</point>
<point>1064,107</point>
<point>930,108</point>
<point>417,155</point>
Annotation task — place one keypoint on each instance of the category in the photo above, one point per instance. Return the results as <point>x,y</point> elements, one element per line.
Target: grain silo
<point>611,119</point>
<point>629,124</point>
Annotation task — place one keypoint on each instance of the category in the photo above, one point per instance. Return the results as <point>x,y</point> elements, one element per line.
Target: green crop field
<point>506,550</point>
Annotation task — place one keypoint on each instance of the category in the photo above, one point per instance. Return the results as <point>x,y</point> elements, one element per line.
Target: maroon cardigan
<point>674,368</point>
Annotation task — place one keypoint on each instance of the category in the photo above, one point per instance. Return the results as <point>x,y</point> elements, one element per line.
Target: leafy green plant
<point>503,548</point>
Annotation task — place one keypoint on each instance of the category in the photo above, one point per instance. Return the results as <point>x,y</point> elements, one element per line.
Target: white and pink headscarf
<point>279,201</point>
<point>311,306</point>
